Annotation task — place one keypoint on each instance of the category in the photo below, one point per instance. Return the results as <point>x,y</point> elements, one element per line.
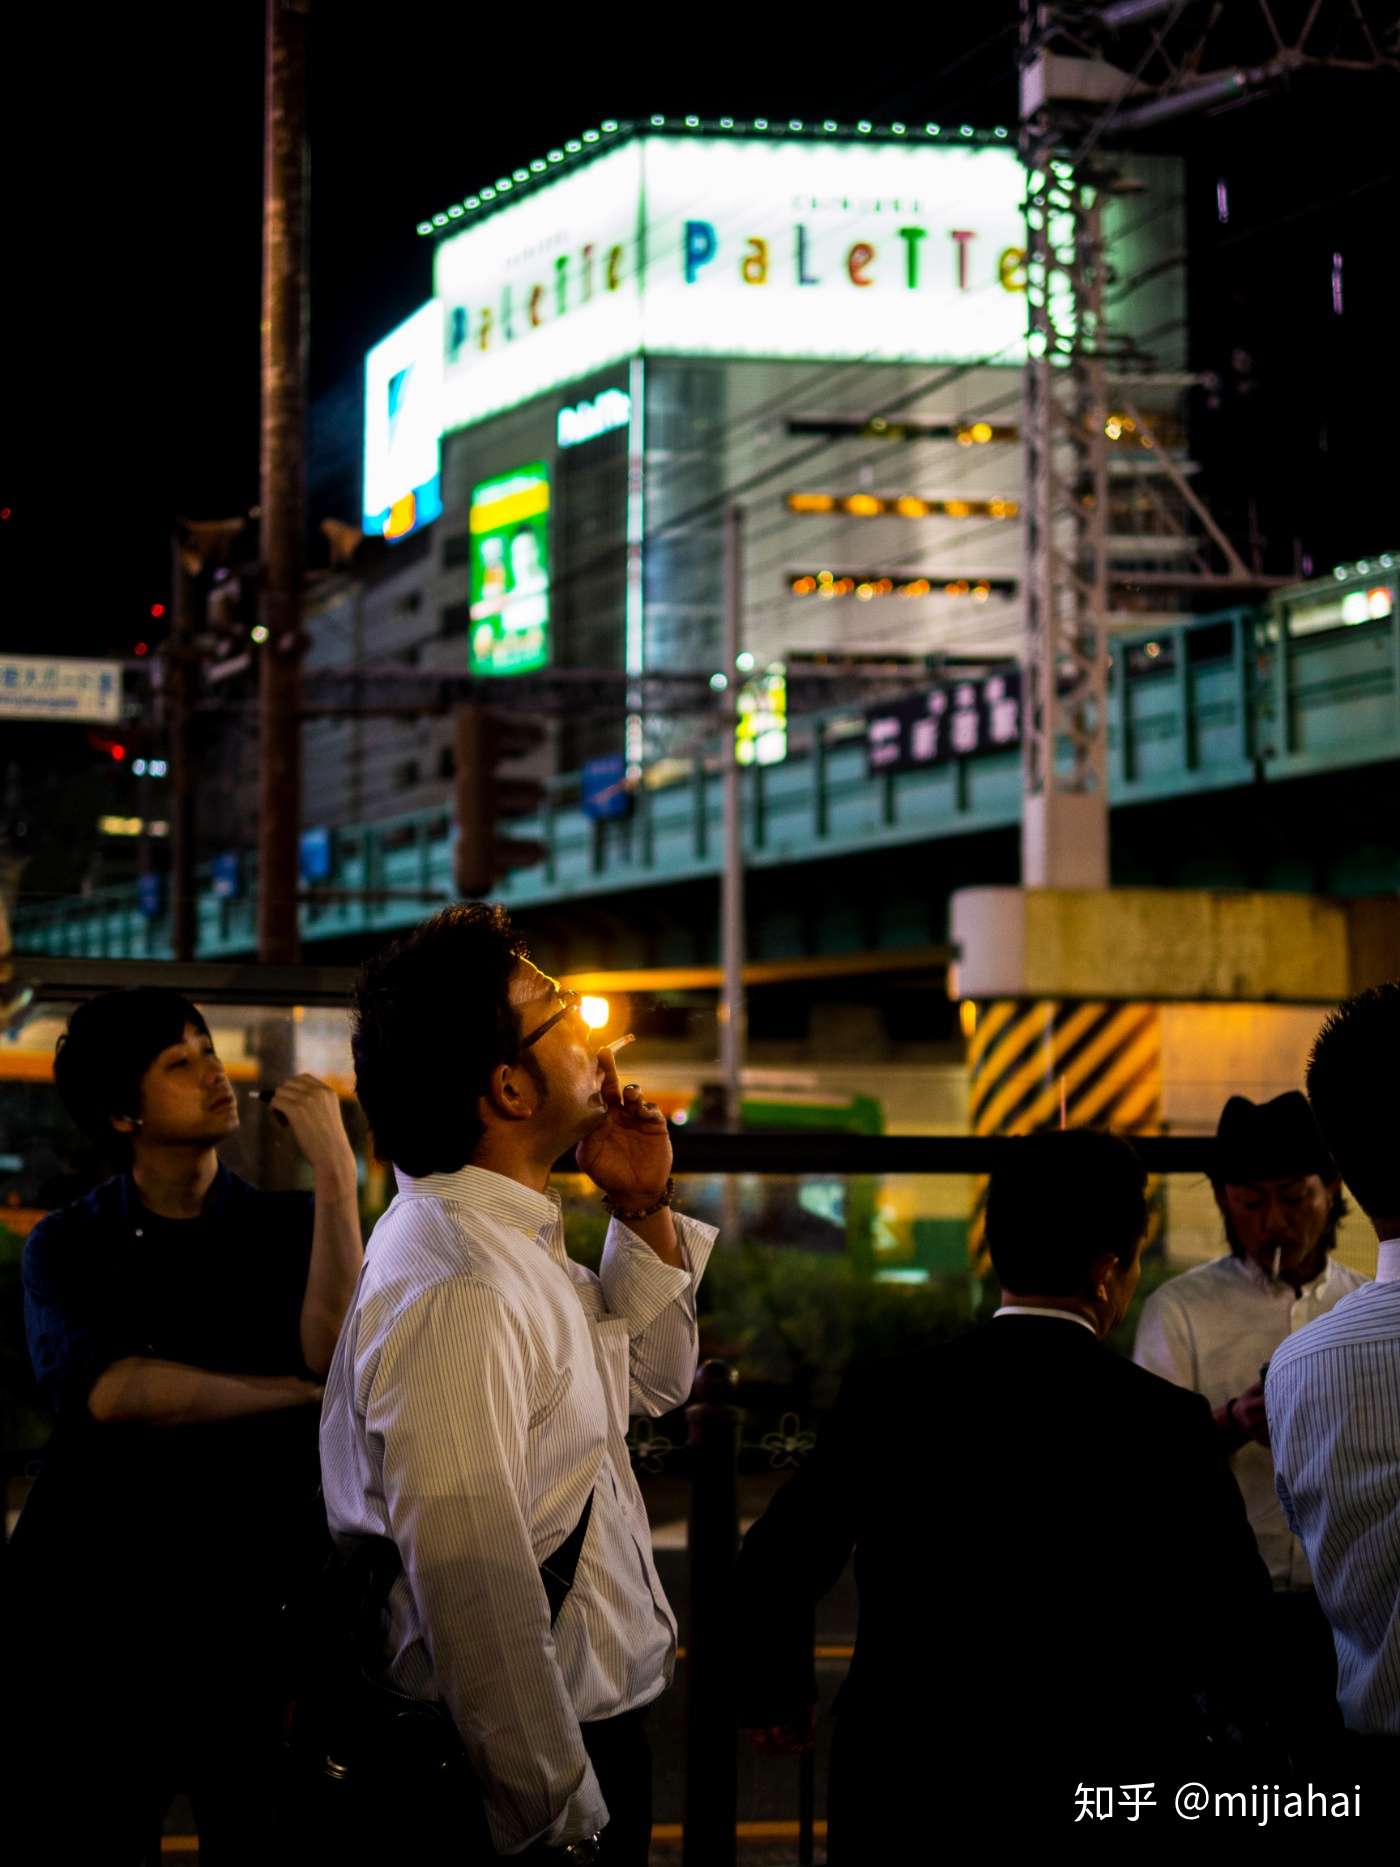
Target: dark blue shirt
<point>189,1526</point>
<point>105,1278</point>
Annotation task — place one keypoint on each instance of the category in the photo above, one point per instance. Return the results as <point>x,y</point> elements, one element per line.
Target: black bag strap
<point>366,1576</point>
<point>557,1571</point>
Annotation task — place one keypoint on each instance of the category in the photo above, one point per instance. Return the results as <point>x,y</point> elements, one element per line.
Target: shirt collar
<point>1260,1278</point>
<point>1388,1261</point>
<point>537,1215</point>
<point>1059,1315</point>
<point>216,1200</point>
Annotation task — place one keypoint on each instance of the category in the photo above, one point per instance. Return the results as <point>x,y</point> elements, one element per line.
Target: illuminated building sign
<point>509,526</point>
<point>734,247</point>
<point>760,737</point>
<point>587,420</point>
<point>959,720</point>
<point>64,687</point>
<point>403,415</point>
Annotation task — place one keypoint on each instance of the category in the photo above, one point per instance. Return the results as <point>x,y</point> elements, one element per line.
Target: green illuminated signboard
<point>760,735</point>
<point>509,631</point>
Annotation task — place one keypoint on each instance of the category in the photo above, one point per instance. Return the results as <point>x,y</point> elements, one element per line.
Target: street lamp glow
<point>594,1012</point>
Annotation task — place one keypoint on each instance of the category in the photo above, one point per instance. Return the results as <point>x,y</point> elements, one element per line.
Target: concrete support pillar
<point>1145,1009</point>
<point>1036,1063</point>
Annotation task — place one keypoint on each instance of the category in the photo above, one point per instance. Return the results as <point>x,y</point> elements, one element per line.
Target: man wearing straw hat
<point>1215,1328</point>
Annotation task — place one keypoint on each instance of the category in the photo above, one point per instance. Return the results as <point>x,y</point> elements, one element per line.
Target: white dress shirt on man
<point>480,1391</point>
<point>1333,1396</point>
<point>1211,1330</point>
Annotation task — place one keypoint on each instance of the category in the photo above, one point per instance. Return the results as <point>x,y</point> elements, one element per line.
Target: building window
<point>406,775</point>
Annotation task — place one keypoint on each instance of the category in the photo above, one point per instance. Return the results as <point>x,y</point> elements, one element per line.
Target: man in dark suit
<point>1054,1566</point>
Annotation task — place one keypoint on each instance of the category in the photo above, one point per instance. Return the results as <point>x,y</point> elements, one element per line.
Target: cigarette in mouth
<point>1278,1254</point>
<point>620,1043</point>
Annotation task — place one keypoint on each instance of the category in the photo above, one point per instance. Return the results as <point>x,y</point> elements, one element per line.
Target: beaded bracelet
<point>666,1199</point>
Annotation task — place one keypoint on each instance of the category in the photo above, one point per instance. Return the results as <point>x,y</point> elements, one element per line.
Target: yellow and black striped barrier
<point>1061,1062</point>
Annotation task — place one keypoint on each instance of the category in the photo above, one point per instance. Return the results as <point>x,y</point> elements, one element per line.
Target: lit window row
<point>965,433</point>
<point>907,506</point>
<point>867,585</point>
<point>1163,430</point>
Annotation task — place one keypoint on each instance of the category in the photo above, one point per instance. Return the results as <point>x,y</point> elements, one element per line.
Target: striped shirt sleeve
<point>455,1489</point>
<point>658,1301</point>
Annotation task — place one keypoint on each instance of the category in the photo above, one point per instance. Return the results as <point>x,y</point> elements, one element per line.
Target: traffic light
<point>483,742</point>
<point>114,749</point>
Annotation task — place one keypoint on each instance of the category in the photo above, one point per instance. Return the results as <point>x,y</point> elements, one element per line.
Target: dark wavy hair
<point>109,1045</point>
<point>1354,1094</point>
<point>432,1020</point>
<point>1059,1203</point>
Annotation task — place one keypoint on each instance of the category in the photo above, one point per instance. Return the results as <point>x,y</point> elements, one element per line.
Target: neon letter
<point>614,268</point>
<point>961,235</point>
<point>754,268</point>
<point>698,247</point>
<point>857,260</point>
<point>803,276</point>
<point>1011,269</point>
<point>506,331</point>
<point>457,331</point>
<point>587,272</point>
<point>483,330</point>
<point>536,300</point>
<point>911,237</point>
<point>561,285</point>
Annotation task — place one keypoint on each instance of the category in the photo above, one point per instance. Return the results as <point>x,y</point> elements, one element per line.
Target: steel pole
<point>733,1013</point>
<point>733,1009</point>
<point>283,478</point>
<point>713,1425</point>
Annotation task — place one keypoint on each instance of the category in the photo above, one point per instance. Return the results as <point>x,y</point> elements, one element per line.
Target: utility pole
<point>1090,75</point>
<point>283,478</point>
<point>177,699</point>
<point>733,1010</point>
<point>1064,832</point>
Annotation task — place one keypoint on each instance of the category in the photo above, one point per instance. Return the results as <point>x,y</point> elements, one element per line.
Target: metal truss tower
<point>1089,76</point>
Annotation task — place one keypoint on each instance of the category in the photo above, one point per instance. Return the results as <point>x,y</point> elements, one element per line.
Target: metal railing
<point>1221,700</point>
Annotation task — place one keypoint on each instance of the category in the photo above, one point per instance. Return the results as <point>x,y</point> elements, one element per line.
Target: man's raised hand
<point>628,1155</point>
<point>311,1109</point>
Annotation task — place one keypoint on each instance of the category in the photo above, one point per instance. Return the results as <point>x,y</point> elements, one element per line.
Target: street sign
<point>961,719</point>
<point>316,855</point>
<point>38,687</point>
<point>605,793</point>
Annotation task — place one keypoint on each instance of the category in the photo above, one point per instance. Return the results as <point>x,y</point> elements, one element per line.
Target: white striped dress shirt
<point>1333,1399</point>
<point>480,1390</point>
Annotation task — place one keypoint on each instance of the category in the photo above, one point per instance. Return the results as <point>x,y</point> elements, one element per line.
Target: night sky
<point>133,345</point>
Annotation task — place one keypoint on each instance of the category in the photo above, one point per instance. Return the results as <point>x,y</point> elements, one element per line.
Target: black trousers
<point>1303,1688</point>
<point>422,1818</point>
<point>99,1772</point>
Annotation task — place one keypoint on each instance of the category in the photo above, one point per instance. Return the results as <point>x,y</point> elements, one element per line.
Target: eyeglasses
<point>569,1001</point>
